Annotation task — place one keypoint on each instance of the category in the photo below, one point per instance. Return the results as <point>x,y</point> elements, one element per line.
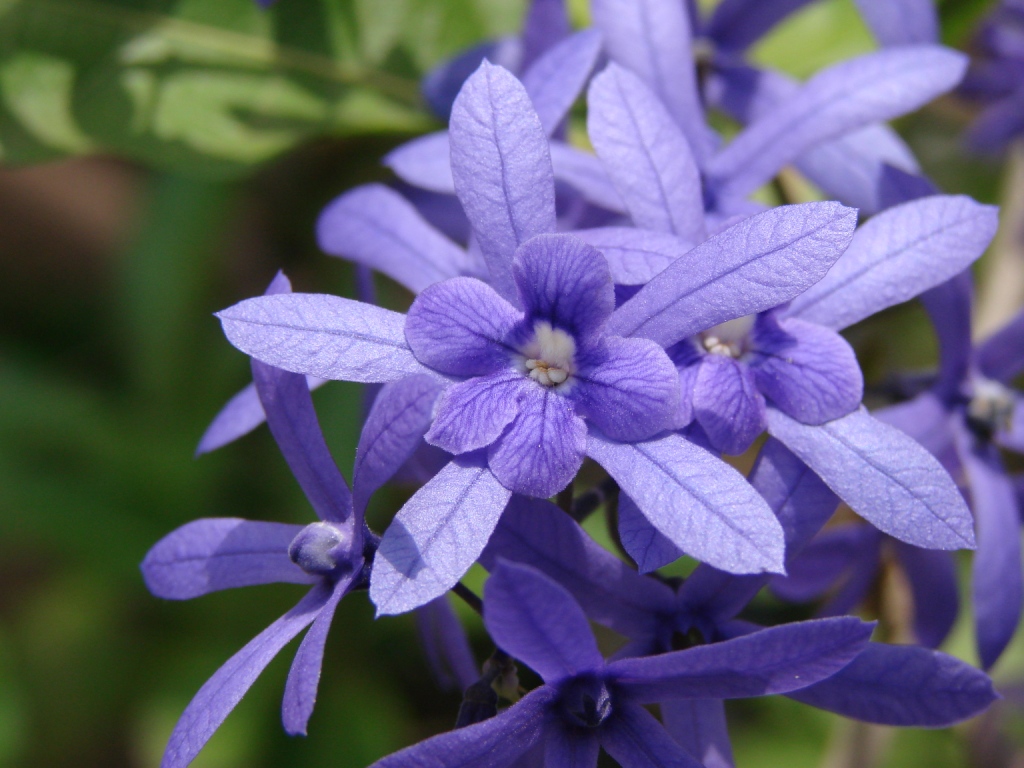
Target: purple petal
<point>502,168</point>
<point>699,727</point>
<point>441,85</point>
<point>934,586</point>
<point>304,675</point>
<point>646,155</point>
<point>586,174</point>
<point>636,740</point>
<point>536,533</point>
<point>545,26</point>
<point>459,327</point>
<point>701,504</point>
<point>824,561</point>
<point>556,79</point>
<point>1001,355</point>
<point>634,256</point>
<point>542,450</point>
<point>901,22</point>
<point>493,743</point>
<point>757,264</point>
<point>927,420</point>
<point>394,429</point>
<point>653,38</point>
<point>949,308</point>
<point>996,586</point>
<point>224,690</point>
<point>885,476</point>
<point>293,423</point>
<point>474,413</point>
<point>777,660</point>
<point>905,686</point>
<point>649,548</point>
<point>897,255</point>
<point>808,372</point>
<point>446,645</point>
<point>424,162</point>
<point>849,95</point>
<point>436,536</point>
<point>377,227</point>
<point>221,553</point>
<point>571,748</point>
<point>564,282</point>
<point>536,621</point>
<point>736,24</point>
<point>628,388</point>
<point>325,336</point>
<point>727,404</point>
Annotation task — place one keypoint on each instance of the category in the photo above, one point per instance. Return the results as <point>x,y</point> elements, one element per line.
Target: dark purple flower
<point>587,704</point>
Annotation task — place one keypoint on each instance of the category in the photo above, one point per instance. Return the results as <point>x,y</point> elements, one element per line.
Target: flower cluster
<point>636,307</point>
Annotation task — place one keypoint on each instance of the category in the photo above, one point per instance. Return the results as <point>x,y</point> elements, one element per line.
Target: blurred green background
<point>161,160</point>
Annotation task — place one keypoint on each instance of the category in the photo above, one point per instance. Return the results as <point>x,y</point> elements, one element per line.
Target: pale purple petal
<point>901,22</point>
<point>394,429</point>
<point>442,84</point>
<point>221,553</point>
<point>304,675</point>
<point>545,26</point>
<point>821,564</point>
<point>424,162</point>
<point>536,621</point>
<point>542,450</point>
<point>896,255</point>
<point>757,264</point>
<point>436,536</point>
<point>1001,356</point>
<point>736,24</point>
<point>653,39</point>
<point>628,388</point>
<point>459,327</point>
<point>927,420</point>
<point>727,404</point>
<point>846,96</point>
<point>777,660</point>
<point>294,425</point>
<point>445,645</point>
<point>556,79</point>
<point>472,414</point>
<point>636,740</point>
<point>949,309</point>
<point>502,168</point>
<point>224,690</point>
<point>699,726</point>
<point>649,548</point>
<point>567,748</point>
<point>320,335</point>
<point>536,533</point>
<point>377,227</point>
<point>903,685</point>
<point>585,173</point>
<point>564,282</point>
<point>996,586</point>
<point>634,255</point>
<point>935,589</point>
<point>884,475</point>
<point>808,372</point>
<point>646,154</point>
<point>704,506</point>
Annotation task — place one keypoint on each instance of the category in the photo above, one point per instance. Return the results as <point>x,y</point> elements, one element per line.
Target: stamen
<point>549,358</point>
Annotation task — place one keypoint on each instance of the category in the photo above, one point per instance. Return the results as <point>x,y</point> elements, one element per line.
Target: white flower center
<point>550,358</point>
<point>728,339</point>
<point>991,406</point>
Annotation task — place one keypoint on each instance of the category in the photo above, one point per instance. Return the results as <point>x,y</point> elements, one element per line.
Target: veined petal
<point>377,227</point>
<point>459,327</point>
<point>636,740</point>
<point>884,475</point>
<point>542,450</point>
<point>628,388</point>
<point>727,404</point>
<point>320,335</point>
<point>424,162</point>
<point>755,265</point>
<point>571,749</point>
<point>472,414</point>
<point>501,167</point>
<point>536,620</point>
<point>221,553</point>
<point>224,690</point>
<point>646,154</point>
<point>586,174</point>
<point>698,725</point>
<point>808,372</point>
<point>436,536</point>
<point>634,255</point>
<point>699,502</point>
<point>895,256</point>
<point>649,547</point>
<point>555,80</point>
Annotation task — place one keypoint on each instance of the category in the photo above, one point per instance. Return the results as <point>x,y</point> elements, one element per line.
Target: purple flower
<point>587,704</point>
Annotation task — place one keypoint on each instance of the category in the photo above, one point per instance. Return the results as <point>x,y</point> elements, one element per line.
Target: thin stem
<point>469,597</point>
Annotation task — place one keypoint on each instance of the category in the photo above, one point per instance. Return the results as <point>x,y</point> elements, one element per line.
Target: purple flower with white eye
<point>332,554</point>
<point>587,704</point>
